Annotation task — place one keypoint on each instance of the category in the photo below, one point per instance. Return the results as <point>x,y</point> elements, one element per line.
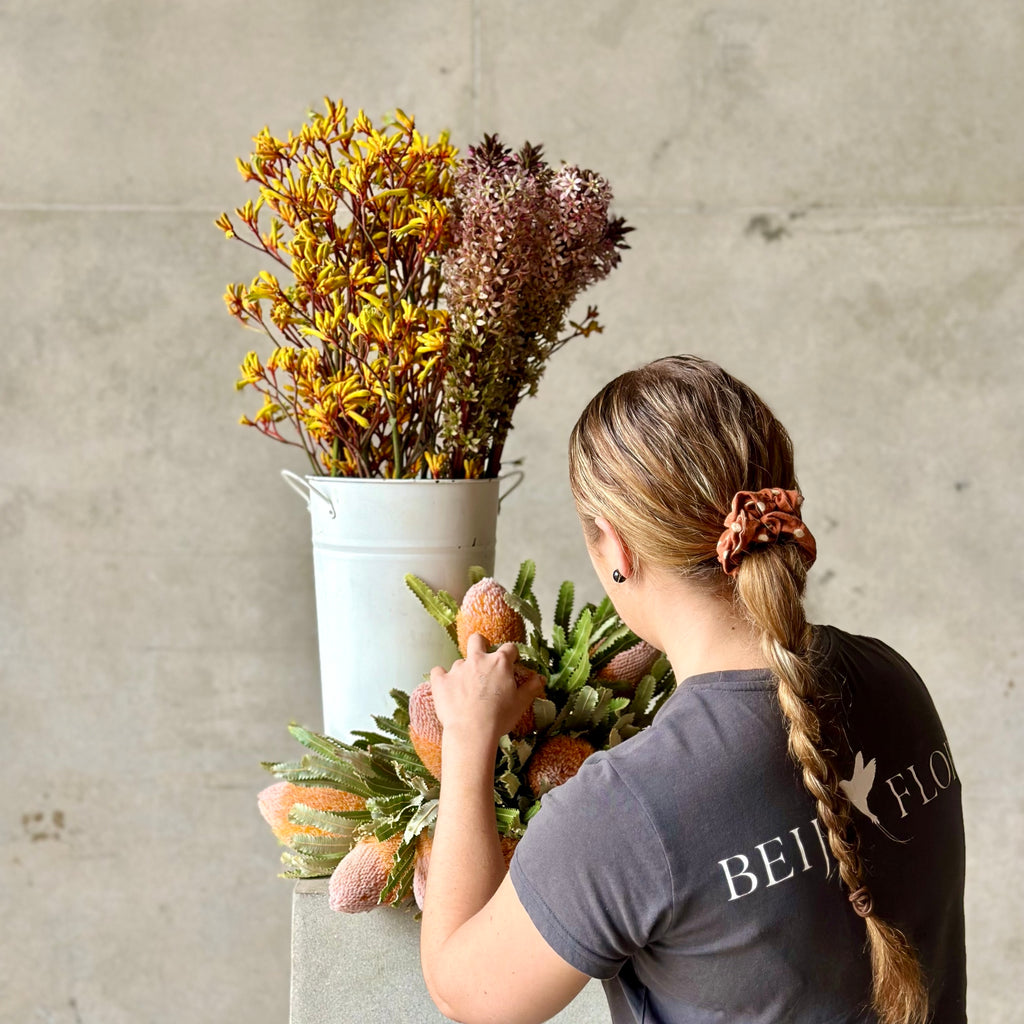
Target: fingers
<point>509,650</point>
<point>476,644</point>
<point>535,684</point>
<point>479,644</point>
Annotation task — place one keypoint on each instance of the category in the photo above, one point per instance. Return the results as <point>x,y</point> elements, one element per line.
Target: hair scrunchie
<point>763,517</point>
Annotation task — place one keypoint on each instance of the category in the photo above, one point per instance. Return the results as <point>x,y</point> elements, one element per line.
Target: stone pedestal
<point>365,968</point>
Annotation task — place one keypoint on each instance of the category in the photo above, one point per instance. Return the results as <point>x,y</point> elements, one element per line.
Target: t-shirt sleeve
<point>592,872</point>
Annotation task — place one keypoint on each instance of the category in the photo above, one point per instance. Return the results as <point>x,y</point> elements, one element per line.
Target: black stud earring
<point>617,576</point>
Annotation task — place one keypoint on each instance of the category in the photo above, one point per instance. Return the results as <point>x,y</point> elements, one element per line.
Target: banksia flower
<point>425,728</point>
<point>361,875</point>
<point>484,610</point>
<point>277,800</point>
<point>630,666</point>
<point>508,847</point>
<point>555,761</point>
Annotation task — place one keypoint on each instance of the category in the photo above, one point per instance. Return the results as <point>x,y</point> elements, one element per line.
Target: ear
<point>613,548</point>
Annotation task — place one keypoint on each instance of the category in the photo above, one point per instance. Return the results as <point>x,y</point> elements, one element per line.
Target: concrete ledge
<point>366,968</point>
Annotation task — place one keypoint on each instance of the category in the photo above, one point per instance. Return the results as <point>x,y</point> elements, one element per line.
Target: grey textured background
<point>829,200</point>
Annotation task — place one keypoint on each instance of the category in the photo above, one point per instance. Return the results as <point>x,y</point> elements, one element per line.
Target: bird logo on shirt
<point>857,788</point>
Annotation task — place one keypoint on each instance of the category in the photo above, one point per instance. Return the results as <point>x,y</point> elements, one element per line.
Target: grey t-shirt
<point>687,868</point>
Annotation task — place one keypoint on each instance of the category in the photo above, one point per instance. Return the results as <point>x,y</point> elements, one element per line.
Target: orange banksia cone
<point>555,761</point>
<point>425,728</point>
<point>632,665</point>
<point>508,847</point>
<point>361,875</point>
<point>277,800</point>
<point>483,610</point>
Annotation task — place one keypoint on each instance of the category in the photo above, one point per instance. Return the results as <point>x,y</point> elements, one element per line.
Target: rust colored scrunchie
<point>763,517</point>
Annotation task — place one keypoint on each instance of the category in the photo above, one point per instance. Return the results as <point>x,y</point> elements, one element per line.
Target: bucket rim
<point>374,480</point>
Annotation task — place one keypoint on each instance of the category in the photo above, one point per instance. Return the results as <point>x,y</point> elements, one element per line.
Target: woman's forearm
<point>466,862</point>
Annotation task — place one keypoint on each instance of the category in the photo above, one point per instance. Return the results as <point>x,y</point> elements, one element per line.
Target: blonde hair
<point>660,452</point>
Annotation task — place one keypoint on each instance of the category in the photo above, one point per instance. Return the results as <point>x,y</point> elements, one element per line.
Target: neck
<point>698,632</point>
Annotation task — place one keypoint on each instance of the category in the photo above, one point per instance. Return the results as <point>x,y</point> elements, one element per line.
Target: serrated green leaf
<point>642,695</point>
<point>604,700</point>
<point>527,610</point>
<point>544,712</point>
<point>342,775</point>
<point>580,675</point>
<point>373,739</point>
<point>660,668</point>
<point>531,811</point>
<point>422,819</point>
<point>616,641</point>
<point>341,823</point>
<point>386,808</point>
<point>534,657</point>
<point>408,762</point>
<point>299,773</point>
<point>658,701</point>
<point>510,781</point>
<point>604,610</point>
<point>321,846</point>
<point>384,829</point>
<point>575,667</point>
<point>476,574</point>
<point>617,704</point>
<point>524,581</point>
<point>583,703</point>
<point>508,821</point>
<point>389,725</point>
<point>303,866</point>
<point>624,719</point>
<point>563,606</point>
<point>399,880</point>
<point>558,640</point>
<point>326,746</point>
<point>441,609</point>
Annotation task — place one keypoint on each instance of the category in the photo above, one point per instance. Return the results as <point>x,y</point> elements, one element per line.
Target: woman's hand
<point>481,696</point>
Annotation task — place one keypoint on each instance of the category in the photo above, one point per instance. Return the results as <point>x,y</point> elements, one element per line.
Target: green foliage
<point>382,765</point>
<point>440,604</point>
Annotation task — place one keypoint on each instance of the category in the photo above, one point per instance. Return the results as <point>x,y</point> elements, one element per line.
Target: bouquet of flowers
<point>412,297</point>
<point>363,812</point>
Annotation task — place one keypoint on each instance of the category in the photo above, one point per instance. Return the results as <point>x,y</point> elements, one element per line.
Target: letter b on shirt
<point>741,882</point>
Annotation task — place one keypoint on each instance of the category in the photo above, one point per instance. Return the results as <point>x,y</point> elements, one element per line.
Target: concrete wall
<point>828,199</point>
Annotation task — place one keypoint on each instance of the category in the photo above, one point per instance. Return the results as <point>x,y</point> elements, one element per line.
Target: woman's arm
<point>483,959</point>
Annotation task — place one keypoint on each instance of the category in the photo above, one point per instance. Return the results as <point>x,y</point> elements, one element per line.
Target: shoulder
<point>840,649</point>
<point>870,674</point>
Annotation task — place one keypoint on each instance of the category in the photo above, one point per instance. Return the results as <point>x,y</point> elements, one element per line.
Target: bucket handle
<point>517,475</point>
<point>303,488</point>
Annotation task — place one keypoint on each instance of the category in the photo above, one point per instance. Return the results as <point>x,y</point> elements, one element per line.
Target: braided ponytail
<point>661,452</point>
<point>769,588</point>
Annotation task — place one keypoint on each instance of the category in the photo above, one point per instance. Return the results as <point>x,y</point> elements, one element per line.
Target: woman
<point>784,843</point>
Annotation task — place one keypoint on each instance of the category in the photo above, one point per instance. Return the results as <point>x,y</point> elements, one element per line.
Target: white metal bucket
<point>374,635</point>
